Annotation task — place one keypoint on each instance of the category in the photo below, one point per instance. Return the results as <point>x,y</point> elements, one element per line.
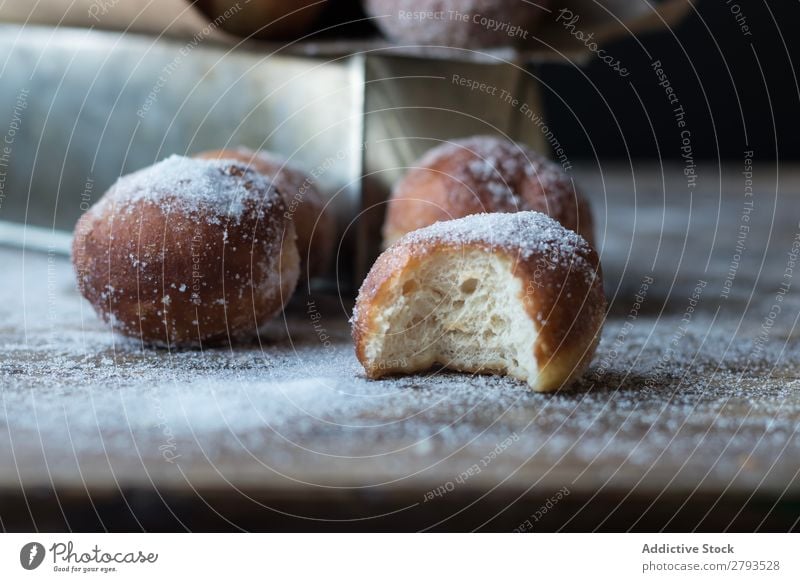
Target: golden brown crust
<point>316,231</point>
<point>483,174</point>
<point>562,294</point>
<point>185,277</point>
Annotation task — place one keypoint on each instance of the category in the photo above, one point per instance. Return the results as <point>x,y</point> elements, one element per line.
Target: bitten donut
<point>316,236</point>
<point>483,174</point>
<point>187,252</point>
<point>460,24</point>
<point>514,294</point>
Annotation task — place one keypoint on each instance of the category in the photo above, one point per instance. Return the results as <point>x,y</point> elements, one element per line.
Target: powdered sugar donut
<point>514,294</point>
<point>316,231</point>
<point>187,252</point>
<point>462,23</point>
<point>483,174</point>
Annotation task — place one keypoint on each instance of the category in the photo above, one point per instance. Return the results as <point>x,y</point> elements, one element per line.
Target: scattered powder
<point>440,22</point>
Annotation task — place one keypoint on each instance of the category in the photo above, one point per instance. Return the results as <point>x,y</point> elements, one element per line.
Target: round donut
<point>514,294</point>
<point>265,19</point>
<point>316,232</point>
<point>187,252</point>
<point>459,24</point>
<point>483,174</point>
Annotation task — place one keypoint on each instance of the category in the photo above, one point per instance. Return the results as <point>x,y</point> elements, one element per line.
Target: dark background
<point>731,103</point>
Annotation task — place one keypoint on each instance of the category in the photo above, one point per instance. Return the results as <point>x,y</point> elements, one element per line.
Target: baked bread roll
<point>460,24</point>
<point>187,252</point>
<point>316,231</point>
<point>514,294</point>
<point>483,174</point>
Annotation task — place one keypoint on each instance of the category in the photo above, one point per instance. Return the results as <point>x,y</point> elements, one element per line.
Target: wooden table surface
<point>686,420</point>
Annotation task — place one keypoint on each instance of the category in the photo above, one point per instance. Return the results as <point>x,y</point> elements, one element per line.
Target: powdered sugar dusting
<point>527,233</point>
<point>720,413</point>
<point>501,167</point>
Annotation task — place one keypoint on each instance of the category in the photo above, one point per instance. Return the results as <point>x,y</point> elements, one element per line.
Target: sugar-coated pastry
<point>187,252</point>
<point>483,174</point>
<point>457,23</point>
<point>514,294</point>
<point>316,231</point>
<point>266,19</point>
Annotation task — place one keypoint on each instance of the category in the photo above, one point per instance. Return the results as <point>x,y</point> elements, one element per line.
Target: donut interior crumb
<point>461,309</point>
